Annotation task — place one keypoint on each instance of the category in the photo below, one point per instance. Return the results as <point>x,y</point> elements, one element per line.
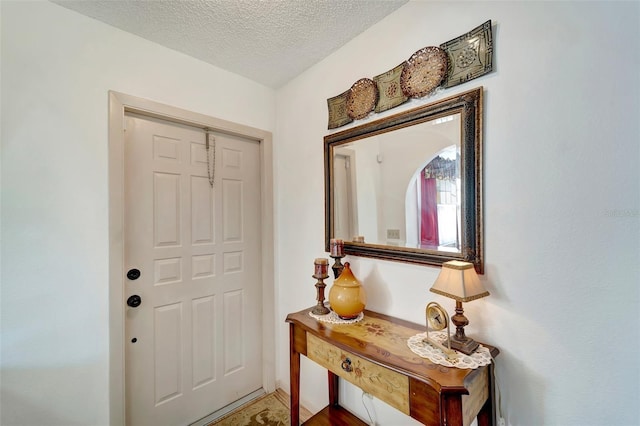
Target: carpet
<point>268,410</point>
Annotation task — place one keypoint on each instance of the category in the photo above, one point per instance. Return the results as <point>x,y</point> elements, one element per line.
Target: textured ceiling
<point>268,41</point>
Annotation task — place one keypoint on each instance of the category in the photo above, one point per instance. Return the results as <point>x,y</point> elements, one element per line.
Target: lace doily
<point>333,318</point>
<point>479,358</point>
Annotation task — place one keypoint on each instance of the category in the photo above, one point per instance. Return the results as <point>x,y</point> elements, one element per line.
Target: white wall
<point>57,68</point>
<point>562,203</point>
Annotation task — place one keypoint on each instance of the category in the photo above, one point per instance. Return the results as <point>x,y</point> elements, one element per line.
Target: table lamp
<point>459,281</point>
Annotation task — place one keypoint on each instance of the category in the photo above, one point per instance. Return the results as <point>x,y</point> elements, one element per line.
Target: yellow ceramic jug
<point>347,297</point>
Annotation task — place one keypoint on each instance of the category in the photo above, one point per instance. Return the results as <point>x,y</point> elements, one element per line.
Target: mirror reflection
<point>408,187</point>
<point>401,188</point>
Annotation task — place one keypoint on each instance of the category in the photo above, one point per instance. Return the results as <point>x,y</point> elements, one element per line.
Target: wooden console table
<point>373,355</point>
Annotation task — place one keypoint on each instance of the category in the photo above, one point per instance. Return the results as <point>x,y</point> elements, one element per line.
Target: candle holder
<point>320,309</point>
<point>320,273</point>
<point>336,251</point>
<point>337,266</point>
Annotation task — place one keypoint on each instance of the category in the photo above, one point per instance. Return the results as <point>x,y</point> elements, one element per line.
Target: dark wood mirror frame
<point>470,106</point>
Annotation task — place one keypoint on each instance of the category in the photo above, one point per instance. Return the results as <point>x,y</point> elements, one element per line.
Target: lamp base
<point>467,346</point>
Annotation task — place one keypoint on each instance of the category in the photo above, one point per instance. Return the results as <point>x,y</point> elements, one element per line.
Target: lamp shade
<point>459,281</point>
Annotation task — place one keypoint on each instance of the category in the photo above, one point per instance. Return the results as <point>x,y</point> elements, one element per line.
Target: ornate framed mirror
<point>408,187</point>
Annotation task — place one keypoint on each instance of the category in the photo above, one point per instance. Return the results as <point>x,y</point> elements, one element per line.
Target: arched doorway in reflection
<point>433,204</point>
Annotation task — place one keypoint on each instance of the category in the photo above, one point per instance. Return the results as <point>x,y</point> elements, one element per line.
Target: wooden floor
<point>334,416</point>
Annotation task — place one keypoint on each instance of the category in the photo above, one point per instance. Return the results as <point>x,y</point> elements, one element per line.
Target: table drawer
<point>386,385</point>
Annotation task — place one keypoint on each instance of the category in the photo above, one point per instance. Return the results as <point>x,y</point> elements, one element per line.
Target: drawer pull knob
<point>346,365</point>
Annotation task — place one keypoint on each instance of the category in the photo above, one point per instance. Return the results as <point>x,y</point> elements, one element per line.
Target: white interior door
<point>345,223</point>
<point>194,343</point>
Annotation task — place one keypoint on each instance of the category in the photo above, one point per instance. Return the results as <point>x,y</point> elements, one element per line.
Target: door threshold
<point>229,408</point>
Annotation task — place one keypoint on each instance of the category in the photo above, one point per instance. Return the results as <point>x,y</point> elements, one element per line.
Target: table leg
<point>333,389</point>
<point>484,416</point>
<point>452,407</point>
<point>294,378</point>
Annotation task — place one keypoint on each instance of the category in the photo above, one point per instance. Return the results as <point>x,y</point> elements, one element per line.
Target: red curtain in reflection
<point>428,213</point>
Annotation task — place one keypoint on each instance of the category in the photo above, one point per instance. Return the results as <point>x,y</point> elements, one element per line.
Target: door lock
<point>134,301</point>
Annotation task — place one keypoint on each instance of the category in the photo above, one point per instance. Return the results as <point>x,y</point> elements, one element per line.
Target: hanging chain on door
<point>211,157</point>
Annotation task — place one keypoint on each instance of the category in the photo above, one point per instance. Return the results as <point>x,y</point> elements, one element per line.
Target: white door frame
<point>119,104</point>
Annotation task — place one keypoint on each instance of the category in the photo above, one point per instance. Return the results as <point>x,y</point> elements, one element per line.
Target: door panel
<point>204,341</point>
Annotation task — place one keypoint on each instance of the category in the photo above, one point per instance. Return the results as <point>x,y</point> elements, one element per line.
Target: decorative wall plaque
<point>389,90</point>
<point>362,98</point>
<point>470,55</point>
<point>424,71</point>
<point>338,110</point>
<point>455,62</point>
